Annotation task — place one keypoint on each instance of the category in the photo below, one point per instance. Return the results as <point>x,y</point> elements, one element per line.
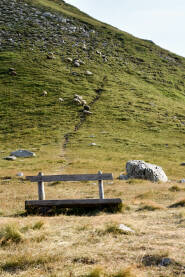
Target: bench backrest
<point>41,178</point>
<point>72,178</point>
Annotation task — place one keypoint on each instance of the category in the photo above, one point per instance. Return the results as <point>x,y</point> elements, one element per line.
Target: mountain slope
<point>136,93</point>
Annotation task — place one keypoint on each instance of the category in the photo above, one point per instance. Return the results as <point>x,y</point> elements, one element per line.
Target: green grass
<point>140,113</point>
<point>38,225</point>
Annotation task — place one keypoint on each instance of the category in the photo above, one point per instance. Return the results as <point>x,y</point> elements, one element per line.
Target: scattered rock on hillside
<point>89,73</point>
<point>29,25</point>
<point>87,112</point>
<point>60,100</point>
<point>70,60</point>
<point>125,228</point>
<point>84,46</point>
<point>23,153</point>
<point>77,64</point>
<point>98,52</point>
<point>50,56</point>
<point>142,170</point>
<point>10,158</point>
<point>45,93</point>
<point>12,72</point>
<point>11,69</point>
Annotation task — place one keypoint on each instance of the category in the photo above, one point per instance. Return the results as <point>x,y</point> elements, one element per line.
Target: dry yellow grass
<point>77,245</point>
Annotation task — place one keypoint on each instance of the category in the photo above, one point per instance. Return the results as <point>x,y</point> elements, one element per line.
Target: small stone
<point>87,112</point>
<point>20,174</point>
<point>11,69</point>
<point>84,47</point>
<point>89,73</point>
<point>75,73</point>
<point>77,64</point>
<point>183,164</point>
<point>166,261</point>
<point>69,60</point>
<point>47,14</point>
<point>45,93</point>
<point>10,158</point>
<point>60,99</point>
<point>50,56</point>
<point>126,228</point>
<point>98,52</point>
<point>13,73</point>
<point>81,62</point>
<point>93,144</point>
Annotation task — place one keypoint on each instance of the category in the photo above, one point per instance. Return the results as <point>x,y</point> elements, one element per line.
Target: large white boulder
<point>141,170</point>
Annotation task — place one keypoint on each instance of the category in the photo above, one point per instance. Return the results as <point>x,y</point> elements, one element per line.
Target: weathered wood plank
<point>100,184</point>
<point>41,192</point>
<point>71,203</point>
<point>74,177</point>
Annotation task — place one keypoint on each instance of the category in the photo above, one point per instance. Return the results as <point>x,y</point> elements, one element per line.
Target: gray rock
<point>123,177</point>
<point>87,112</point>
<point>60,99</point>
<point>77,64</point>
<point>10,158</point>
<point>23,154</point>
<point>47,14</point>
<point>84,46</point>
<point>142,170</point>
<point>125,228</point>
<point>69,60</point>
<point>182,181</point>
<point>93,144</point>
<point>166,261</point>
<point>89,73</point>
<point>183,164</point>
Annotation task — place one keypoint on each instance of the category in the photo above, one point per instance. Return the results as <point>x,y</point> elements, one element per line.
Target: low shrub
<point>10,234</point>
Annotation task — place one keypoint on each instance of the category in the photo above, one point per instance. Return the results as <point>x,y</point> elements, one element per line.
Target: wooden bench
<point>101,202</point>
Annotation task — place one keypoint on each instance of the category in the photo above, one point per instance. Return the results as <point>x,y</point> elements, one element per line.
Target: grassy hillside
<point>137,98</point>
<point>139,86</point>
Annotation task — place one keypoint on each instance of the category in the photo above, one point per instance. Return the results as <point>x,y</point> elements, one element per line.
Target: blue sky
<point>162,21</point>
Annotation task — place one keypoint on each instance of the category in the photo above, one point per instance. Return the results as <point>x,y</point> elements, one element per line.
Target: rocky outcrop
<point>142,170</point>
<point>24,24</point>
